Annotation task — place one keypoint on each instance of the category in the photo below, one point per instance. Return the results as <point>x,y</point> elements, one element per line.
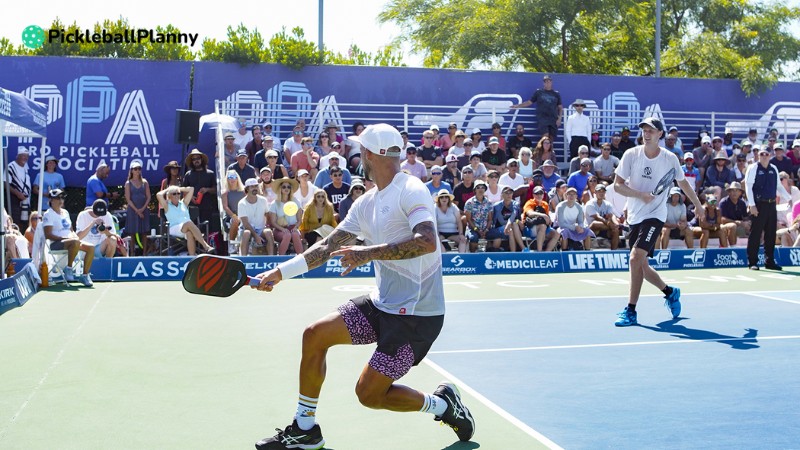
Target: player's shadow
<point>469,445</point>
<point>746,342</point>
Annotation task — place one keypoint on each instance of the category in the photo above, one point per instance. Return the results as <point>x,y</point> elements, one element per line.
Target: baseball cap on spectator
<point>436,169</point>
<point>134,164</point>
<point>267,124</point>
<point>99,207</point>
<point>778,146</point>
<point>506,187</point>
<point>616,134</point>
<point>706,139</point>
<point>716,138</point>
<point>548,163</point>
<point>23,151</point>
<point>480,183</point>
<point>466,169</point>
<point>746,143</point>
<point>773,129</point>
<point>796,143</point>
<point>404,133</point>
<point>451,158</point>
<point>267,138</point>
<point>624,129</point>
<point>537,173</point>
<point>728,130</point>
<point>380,139</point>
<point>460,133</point>
<point>302,172</point>
<point>547,77</point>
<point>586,162</point>
<point>653,122</point>
<point>494,140</point>
<point>250,182</point>
<point>271,153</point>
<point>102,164</point>
<point>673,128</point>
<point>583,149</point>
<point>228,135</point>
<point>475,153</point>
<point>53,158</point>
<point>512,161</point>
<point>560,183</point>
<point>763,151</point>
<point>265,169</point>
<point>538,190</point>
<point>688,155</point>
<point>241,152</point>
<point>434,127</point>
<point>675,190</point>
<point>752,131</point>
<point>573,190</point>
<point>56,193</point>
<point>741,157</point>
<point>600,187</point>
<point>476,131</point>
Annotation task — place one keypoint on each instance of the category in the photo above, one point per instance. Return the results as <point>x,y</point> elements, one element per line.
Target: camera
<point>101,227</point>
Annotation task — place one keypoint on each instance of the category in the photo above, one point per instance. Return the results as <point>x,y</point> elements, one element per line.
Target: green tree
<point>294,51</point>
<point>738,39</point>
<point>243,47</point>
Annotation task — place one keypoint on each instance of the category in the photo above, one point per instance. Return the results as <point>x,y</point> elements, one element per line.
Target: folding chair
<point>57,263</point>
<point>169,245</point>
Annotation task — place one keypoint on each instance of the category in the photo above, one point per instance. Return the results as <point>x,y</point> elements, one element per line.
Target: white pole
<point>41,174</point>
<point>2,201</point>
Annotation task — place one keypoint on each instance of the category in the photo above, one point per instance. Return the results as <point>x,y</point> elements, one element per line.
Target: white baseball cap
<point>379,138</point>
<point>251,182</point>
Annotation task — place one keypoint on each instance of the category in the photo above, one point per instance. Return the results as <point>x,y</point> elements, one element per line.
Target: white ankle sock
<point>306,415</point>
<point>434,405</point>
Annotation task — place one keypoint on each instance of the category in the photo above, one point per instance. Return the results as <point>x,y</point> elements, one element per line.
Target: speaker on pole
<point>187,126</point>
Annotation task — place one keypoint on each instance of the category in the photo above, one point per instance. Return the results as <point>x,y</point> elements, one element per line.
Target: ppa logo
<point>794,257</point>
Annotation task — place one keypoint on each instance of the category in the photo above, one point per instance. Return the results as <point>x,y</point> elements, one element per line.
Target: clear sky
<point>346,21</point>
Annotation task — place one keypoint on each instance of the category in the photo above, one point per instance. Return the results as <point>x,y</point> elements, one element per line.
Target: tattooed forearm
<point>321,251</point>
<point>424,242</point>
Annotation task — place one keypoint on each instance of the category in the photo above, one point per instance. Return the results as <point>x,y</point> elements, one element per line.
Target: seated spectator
<point>265,185</point>
<point>516,142</point>
<point>794,156</point>
<point>671,144</point>
<point>494,158</point>
<point>458,149</point>
<point>477,140</point>
<point>676,226</point>
<point>605,164</point>
<point>58,230</point>
<point>306,158</point>
<point>430,155</point>
<point>702,156</point>
<point>600,215</point>
<point>337,189</point>
<point>413,167</point>
<point>318,218</point>
<point>284,227</point>
<point>479,170</point>
<point>293,145</point>
<point>526,192</point>
<point>780,160</point>
<point>241,167</point>
<point>232,194</point>
<point>580,178</point>
<point>352,148</point>
<point>436,184</point>
<point>448,221</point>
<point>464,190</point>
<point>572,223</point>
<point>497,133</point>
<point>260,158</point>
<point>616,137</point>
<point>452,174</point>
<point>526,164</point>
<point>306,189</point>
<point>176,210</point>
<point>558,194</point>
<point>575,163</point>
<point>625,141</point>
<point>691,172</point>
<point>95,188</point>
<point>494,193</point>
<point>323,146</point>
<point>324,175</point>
<point>718,175</point>
<point>273,162</point>
<point>740,167</point>
<point>229,149</point>
<point>790,236</point>
<point>52,179</point>
<point>478,215</point>
<point>784,204</point>
<point>96,228</point>
<point>17,245</point>
<point>538,224</point>
<point>549,175</point>
<point>446,141</point>
<point>511,177</point>
<point>33,223</point>
<point>252,210</point>
<point>734,211</point>
<point>711,225</point>
<point>241,137</point>
<point>437,138</point>
<point>506,215</point>
<point>357,189</point>
<point>591,189</point>
<point>253,145</point>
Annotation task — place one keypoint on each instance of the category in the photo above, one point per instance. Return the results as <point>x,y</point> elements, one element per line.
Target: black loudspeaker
<point>187,126</point>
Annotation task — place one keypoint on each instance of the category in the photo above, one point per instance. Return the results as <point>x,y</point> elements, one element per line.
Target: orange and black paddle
<point>217,276</point>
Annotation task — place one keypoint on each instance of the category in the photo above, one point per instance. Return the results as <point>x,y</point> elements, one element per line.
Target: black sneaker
<point>773,266</point>
<point>457,416</point>
<point>293,437</point>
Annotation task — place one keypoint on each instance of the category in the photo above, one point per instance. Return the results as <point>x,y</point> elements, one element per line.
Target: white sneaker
<point>69,274</point>
<point>86,279</point>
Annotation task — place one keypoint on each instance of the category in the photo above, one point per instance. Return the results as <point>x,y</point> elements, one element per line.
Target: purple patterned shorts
<point>403,341</point>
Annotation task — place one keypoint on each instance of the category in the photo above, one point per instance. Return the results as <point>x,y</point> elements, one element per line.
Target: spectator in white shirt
<point>578,128</point>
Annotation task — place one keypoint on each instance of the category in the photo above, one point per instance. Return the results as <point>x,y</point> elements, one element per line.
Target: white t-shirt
<point>675,212</point>
<point>256,213</point>
<point>643,174</point>
<point>292,147</point>
<point>94,237</point>
<point>594,206</point>
<point>303,201</point>
<point>61,223</point>
<point>407,286</point>
<point>508,181</point>
<point>494,197</point>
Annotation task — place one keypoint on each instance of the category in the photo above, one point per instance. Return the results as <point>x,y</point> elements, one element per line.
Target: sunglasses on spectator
<point>358,189</point>
<point>297,132</point>
<point>436,173</point>
<point>272,157</point>
<point>451,128</point>
<point>286,186</point>
<point>136,168</point>
<point>197,158</point>
<point>336,175</point>
<point>466,171</point>
<point>467,144</point>
<point>175,194</point>
<point>35,219</point>
<point>307,144</point>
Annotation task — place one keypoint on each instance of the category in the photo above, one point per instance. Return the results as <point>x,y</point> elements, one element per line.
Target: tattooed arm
<point>424,241</point>
<point>320,252</point>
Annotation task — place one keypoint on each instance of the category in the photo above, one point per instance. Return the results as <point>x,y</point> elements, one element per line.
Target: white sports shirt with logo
<point>406,286</point>
<point>643,174</point>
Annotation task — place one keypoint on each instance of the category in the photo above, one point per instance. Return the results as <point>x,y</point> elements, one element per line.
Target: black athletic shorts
<point>645,234</point>
<point>403,341</point>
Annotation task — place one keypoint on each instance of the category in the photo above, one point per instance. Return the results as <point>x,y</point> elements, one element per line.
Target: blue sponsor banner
<point>500,263</point>
<point>101,110</point>
<point>18,289</point>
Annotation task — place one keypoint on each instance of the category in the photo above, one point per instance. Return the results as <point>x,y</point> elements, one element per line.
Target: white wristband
<point>293,267</point>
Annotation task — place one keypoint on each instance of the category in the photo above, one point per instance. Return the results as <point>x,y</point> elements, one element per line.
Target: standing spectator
<point>357,189</point>
<point>52,179</point>
<point>571,222</point>
<point>436,184</point>
<point>478,168</point>
<point>255,144</point>
<point>252,211</point>
<point>497,133</point>
<point>19,183</point>
<point>578,128</point>
<point>318,218</point>
<point>241,137</point>
<point>306,158</point>
<point>549,108</point>
<point>229,149</point>
<point>241,166</point>
<point>97,229</point>
<point>478,214</point>
<point>430,154</point>
<point>95,188</point>
<point>232,194</point>
<point>734,211</point>
<point>600,215</point>
<point>58,230</point>
<point>413,167</point>
<point>549,175</point>
<point>324,175</point>
<point>284,226</point>
<point>494,159</point>
<point>511,177</point>
<point>606,164</point>
<point>676,226</point>
<point>448,221</point>
<point>625,141</point>
<point>176,210</point>
<point>538,224</point>
<point>173,178</point>
<point>204,185</point>
<point>526,163</point>
<point>337,189</point>
<point>516,142</point>
<point>452,174</point>
<point>544,151</point>
<point>137,194</point>
<point>464,190</point>
<point>505,221</point>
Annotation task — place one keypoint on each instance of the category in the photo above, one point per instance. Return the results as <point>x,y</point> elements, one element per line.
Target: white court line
<point>595,297</point>
<point>615,344</point>
<point>494,407</point>
<point>753,294</point>
<point>55,362</point>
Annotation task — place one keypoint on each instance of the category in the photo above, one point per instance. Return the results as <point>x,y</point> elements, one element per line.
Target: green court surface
<point>147,366</point>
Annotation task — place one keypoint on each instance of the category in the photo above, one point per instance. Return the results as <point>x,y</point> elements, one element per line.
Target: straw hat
<point>443,193</point>
<point>196,152</point>
<point>276,185</point>
<point>170,165</point>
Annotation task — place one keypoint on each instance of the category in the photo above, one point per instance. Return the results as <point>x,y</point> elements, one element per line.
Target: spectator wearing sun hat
<point>458,149</point>
<point>204,184</point>
<point>719,174</point>
<point>578,128</point>
<point>549,175</point>
<point>52,179</point>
